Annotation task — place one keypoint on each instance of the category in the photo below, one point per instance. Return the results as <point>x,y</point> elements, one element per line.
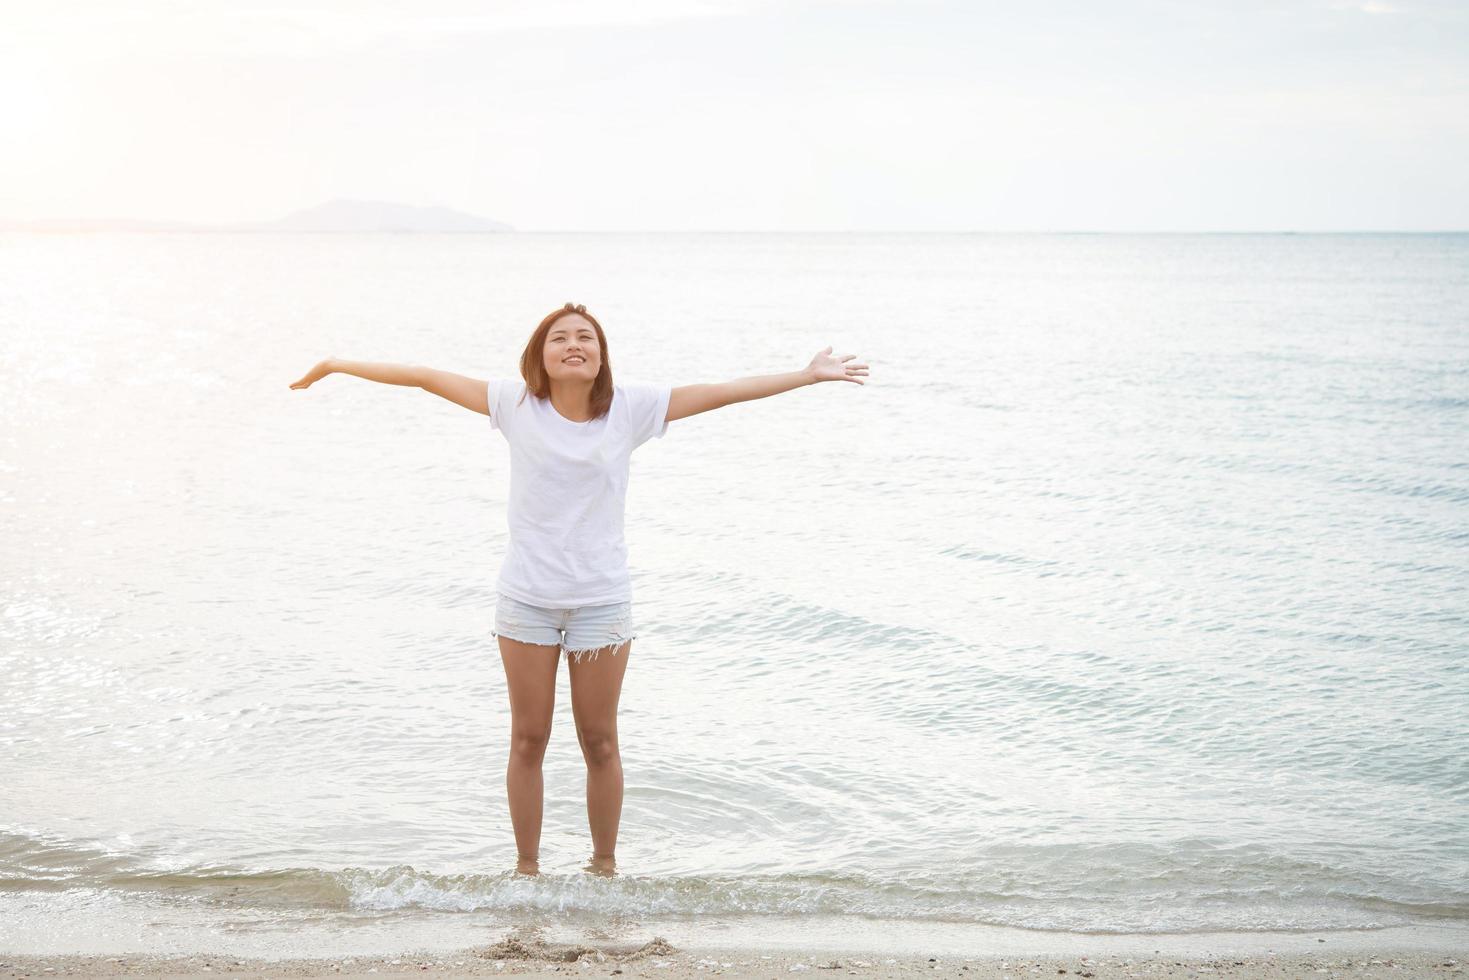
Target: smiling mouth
<point>575,360</point>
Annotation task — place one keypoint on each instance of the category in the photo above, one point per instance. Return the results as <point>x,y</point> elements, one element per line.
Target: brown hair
<point>533,362</point>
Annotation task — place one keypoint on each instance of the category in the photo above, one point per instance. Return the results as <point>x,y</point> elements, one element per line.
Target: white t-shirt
<point>568,490</point>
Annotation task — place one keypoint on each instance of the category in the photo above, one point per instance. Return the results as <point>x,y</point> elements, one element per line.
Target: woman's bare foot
<point>527,866</point>
<point>602,864</point>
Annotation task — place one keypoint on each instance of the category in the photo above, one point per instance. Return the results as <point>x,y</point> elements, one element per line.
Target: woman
<point>564,581</point>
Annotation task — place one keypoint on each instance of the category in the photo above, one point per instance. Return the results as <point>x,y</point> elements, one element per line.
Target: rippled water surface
<point>1128,595</point>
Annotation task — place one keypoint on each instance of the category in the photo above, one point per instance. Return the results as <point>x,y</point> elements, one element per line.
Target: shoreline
<point>1397,952</point>
<point>661,961</point>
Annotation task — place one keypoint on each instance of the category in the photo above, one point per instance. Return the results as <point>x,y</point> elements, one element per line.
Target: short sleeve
<point>500,400</point>
<point>647,411</point>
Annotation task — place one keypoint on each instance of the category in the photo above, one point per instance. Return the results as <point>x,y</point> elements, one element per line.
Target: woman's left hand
<point>825,367</point>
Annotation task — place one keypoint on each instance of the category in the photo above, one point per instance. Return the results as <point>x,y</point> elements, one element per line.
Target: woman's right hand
<point>321,370</point>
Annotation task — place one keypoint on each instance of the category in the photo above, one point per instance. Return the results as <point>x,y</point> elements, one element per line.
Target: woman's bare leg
<point>596,685</point>
<point>530,675</point>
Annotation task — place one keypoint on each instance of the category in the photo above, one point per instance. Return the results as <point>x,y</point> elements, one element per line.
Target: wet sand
<point>660,960</point>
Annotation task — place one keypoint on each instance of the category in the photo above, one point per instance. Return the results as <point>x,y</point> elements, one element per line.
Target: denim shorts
<point>588,629</point>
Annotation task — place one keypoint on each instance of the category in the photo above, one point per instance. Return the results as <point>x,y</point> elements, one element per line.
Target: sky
<point>746,115</point>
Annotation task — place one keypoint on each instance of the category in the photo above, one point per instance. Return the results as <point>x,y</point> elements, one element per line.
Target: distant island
<point>333,216</point>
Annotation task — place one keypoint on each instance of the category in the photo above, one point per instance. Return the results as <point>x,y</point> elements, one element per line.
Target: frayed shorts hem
<point>569,654</point>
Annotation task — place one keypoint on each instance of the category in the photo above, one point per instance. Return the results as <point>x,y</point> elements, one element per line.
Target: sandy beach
<point>1253,956</point>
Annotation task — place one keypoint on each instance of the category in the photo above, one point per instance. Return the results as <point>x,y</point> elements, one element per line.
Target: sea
<point>1129,595</point>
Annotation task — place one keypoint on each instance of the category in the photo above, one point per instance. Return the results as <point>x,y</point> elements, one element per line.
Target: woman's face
<point>572,337</point>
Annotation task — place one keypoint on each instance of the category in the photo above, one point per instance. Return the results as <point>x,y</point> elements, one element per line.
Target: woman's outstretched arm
<point>692,399</point>
<point>472,393</point>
